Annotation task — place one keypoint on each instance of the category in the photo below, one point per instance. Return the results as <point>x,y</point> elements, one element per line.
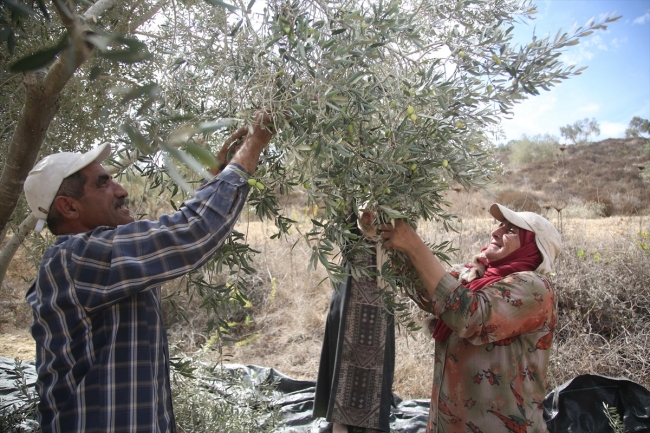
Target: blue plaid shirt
<point>102,357</point>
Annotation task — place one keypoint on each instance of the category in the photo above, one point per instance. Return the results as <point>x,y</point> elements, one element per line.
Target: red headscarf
<point>525,258</point>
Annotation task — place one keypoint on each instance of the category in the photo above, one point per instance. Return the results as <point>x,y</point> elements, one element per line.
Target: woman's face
<point>505,240</point>
<point>366,223</point>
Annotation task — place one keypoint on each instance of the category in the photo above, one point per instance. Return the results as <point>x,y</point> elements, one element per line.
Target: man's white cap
<point>547,238</point>
<point>45,179</point>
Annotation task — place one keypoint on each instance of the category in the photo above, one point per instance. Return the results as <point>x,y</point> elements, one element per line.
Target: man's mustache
<point>122,202</point>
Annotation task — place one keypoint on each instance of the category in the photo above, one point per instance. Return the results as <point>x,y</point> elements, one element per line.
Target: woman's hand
<point>401,237</point>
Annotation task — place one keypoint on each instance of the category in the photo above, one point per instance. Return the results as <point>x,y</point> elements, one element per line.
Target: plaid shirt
<point>102,357</point>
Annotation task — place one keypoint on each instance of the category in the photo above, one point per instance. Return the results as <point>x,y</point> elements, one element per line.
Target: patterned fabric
<point>358,359</point>
<point>101,347</point>
<point>358,395</point>
<point>490,374</point>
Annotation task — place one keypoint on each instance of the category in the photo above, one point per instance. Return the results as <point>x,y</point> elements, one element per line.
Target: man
<point>494,328</point>
<point>101,348</point>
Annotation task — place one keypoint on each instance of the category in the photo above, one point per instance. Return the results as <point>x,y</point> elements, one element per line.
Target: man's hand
<point>222,156</point>
<point>248,150</point>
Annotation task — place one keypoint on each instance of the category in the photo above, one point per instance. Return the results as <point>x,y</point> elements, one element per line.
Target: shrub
<point>602,205</point>
<point>604,313</point>
<point>532,149</point>
<point>208,399</point>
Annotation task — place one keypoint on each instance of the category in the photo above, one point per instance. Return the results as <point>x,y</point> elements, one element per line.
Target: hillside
<point>611,176</point>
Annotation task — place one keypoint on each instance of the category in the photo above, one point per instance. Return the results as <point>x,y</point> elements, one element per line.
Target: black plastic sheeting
<point>297,401</point>
<point>576,406</point>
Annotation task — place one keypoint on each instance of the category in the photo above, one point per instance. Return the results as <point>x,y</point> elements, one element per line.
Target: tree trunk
<point>42,92</point>
<point>12,246</point>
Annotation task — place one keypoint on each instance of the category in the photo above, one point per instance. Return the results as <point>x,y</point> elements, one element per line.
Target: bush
<point>604,312</point>
<point>602,205</point>
<point>532,149</point>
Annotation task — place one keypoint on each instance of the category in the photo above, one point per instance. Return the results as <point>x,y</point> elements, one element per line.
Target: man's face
<point>103,202</point>
<point>504,240</point>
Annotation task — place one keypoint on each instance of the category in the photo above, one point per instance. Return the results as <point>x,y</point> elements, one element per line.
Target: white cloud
<point>533,116</point>
<point>642,19</point>
<point>612,130</point>
<point>591,108</point>
<point>616,42</point>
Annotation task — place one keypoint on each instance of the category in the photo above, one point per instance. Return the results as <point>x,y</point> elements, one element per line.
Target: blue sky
<point>616,84</point>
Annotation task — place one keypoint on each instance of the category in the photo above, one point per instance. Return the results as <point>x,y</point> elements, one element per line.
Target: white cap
<point>547,238</point>
<point>46,177</point>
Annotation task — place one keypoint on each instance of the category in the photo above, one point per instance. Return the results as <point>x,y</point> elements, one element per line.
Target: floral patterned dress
<point>490,374</point>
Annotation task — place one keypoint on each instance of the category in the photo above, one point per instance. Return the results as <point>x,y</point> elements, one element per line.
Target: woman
<point>494,327</point>
<point>357,362</point>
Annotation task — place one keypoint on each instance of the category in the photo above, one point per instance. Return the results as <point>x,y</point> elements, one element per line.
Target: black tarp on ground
<point>576,406</point>
<point>295,402</point>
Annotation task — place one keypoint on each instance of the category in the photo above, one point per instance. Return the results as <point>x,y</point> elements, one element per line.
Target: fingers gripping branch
<point>247,145</point>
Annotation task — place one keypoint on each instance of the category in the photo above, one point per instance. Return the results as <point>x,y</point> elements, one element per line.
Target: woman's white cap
<point>45,179</point>
<point>547,238</point>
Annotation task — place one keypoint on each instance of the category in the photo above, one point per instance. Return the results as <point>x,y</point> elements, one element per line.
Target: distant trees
<point>529,149</point>
<point>637,127</point>
<point>580,131</point>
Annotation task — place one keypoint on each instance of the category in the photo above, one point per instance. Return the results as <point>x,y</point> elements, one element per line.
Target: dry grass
<point>602,279</point>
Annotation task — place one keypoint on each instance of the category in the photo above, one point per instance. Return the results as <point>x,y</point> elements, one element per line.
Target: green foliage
<point>362,92</point>
<point>643,242</point>
<point>210,399</point>
<point>530,149</point>
<point>21,416</point>
<point>580,131</point>
<point>637,127</point>
<point>614,419</point>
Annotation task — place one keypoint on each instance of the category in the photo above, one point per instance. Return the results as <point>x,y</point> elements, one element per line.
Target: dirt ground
<point>17,343</point>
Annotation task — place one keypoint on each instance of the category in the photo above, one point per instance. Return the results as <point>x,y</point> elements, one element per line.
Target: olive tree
<point>386,103</point>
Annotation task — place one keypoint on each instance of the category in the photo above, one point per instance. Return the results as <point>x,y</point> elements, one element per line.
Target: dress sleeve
<point>109,264</point>
<point>517,304</point>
